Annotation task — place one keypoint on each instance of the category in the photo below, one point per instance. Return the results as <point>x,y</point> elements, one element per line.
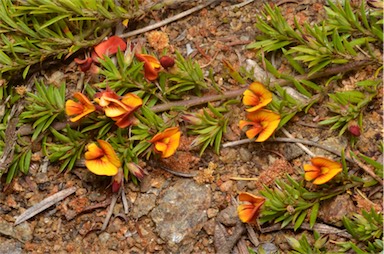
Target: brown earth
<point>173,214</point>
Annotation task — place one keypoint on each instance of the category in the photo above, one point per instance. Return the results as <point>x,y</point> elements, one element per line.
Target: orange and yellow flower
<point>263,123</point>
<point>101,159</point>
<point>250,211</point>
<point>166,142</point>
<point>79,109</point>
<point>119,109</point>
<point>321,170</point>
<point>151,66</point>
<point>256,96</point>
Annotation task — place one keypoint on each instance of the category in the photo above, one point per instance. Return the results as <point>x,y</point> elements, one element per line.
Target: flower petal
<point>324,162</point>
<point>247,213</point>
<point>160,146</point>
<point>110,46</point>
<point>151,66</point>
<point>73,108</point>
<point>249,98</point>
<point>132,100</point>
<point>101,166</point>
<point>125,120</point>
<point>326,177</point>
<point>110,153</point>
<point>252,132</point>
<point>257,96</point>
<point>243,123</point>
<point>245,196</point>
<point>94,152</point>
<point>268,131</point>
<point>165,134</point>
<point>173,144</point>
<point>114,110</point>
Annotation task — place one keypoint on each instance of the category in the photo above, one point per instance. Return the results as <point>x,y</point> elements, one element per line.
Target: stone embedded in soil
<point>228,216</point>
<point>143,205</point>
<point>9,246</point>
<point>333,211</point>
<point>181,214</point>
<point>23,232</point>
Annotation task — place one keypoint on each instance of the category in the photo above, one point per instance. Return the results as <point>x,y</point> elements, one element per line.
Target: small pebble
<point>212,212</point>
<point>104,237</point>
<point>226,186</point>
<point>245,155</point>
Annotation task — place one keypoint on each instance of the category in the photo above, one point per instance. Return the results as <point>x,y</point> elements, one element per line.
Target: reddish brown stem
<point>282,82</point>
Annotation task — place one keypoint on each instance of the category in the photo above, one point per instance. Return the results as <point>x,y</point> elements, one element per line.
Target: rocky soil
<point>175,214</point>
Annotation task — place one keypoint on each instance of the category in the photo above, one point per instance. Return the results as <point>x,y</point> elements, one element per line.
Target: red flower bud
<point>136,170</point>
<point>167,62</point>
<point>354,130</point>
<point>117,180</point>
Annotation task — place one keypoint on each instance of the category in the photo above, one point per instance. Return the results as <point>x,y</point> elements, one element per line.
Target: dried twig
<point>124,200</point>
<point>44,204</point>
<point>110,211</point>
<point>319,227</point>
<point>168,20</point>
<point>289,140</point>
<point>304,148</point>
<point>367,170</point>
<point>281,82</point>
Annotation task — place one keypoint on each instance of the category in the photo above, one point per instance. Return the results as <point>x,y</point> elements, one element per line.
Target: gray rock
<point>228,216</point>
<point>9,246</point>
<point>332,211</point>
<point>104,237</point>
<point>143,205</point>
<point>23,232</point>
<point>292,151</point>
<point>269,248</point>
<point>181,214</point>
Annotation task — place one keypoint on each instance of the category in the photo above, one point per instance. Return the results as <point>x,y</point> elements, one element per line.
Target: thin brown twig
<point>367,170</point>
<point>304,148</point>
<point>168,20</point>
<point>281,82</point>
<point>44,204</point>
<point>319,227</point>
<point>110,212</point>
<point>289,140</point>
<point>195,101</point>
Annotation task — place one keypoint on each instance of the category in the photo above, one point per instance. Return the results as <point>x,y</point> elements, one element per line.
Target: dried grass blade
<point>44,204</point>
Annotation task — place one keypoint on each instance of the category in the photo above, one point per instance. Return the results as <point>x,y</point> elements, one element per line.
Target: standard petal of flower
<point>73,108</point>
<point>110,153</point>
<point>326,177</point>
<point>110,46</point>
<point>247,212</point>
<point>165,134</point>
<point>101,166</point>
<point>151,66</point>
<point>81,108</point>
<point>257,96</point>
<point>249,98</point>
<point>94,152</point>
<point>245,196</point>
<point>324,162</point>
